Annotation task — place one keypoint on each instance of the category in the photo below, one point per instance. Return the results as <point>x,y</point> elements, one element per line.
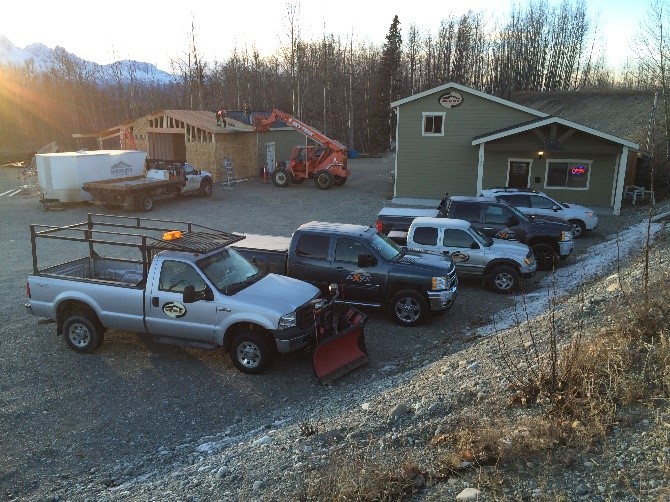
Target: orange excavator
<point>326,165</point>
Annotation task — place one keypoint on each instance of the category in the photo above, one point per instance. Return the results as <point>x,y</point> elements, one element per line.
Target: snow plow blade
<point>340,347</point>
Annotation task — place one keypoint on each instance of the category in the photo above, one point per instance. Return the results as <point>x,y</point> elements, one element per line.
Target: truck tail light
<point>27,290</point>
<point>378,225</point>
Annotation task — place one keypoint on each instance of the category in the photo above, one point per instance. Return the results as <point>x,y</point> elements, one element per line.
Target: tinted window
<point>517,200</point>
<point>425,235</point>
<point>539,202</point>
<point>457,238</point>
<point>176,275</point>
<point>348,250</point>
<point>467,211</point>
<point>313,246</point>
<point>496,214</point>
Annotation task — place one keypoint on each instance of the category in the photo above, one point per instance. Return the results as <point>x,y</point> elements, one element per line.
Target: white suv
<point>532,202</point>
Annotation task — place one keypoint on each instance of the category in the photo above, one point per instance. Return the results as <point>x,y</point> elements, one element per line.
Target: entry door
<point>270,156</point>
<point>517,173</point>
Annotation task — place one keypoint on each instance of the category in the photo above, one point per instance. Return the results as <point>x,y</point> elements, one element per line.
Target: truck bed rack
<point>146,234</point>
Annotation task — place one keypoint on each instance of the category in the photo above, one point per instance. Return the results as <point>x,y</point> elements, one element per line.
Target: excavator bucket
<point>340,346</point>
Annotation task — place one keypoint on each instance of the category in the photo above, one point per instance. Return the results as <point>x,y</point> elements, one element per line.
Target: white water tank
<point>61,175</point>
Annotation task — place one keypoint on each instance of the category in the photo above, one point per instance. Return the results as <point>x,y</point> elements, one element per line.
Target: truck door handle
<point>488,228</point>
<point>154,301</point>
<point>223,309</point>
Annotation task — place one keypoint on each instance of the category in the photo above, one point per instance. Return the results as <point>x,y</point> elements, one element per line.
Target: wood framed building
<point>194,137</point>
<point>457,140</point>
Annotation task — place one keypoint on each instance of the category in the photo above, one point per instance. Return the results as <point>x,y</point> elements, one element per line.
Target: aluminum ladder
<point>230,171</point>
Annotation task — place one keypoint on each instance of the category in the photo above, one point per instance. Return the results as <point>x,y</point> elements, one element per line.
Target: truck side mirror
<point>366,260</point>
<point>189,294</point>
<point>474,245</point>
<point>512,221</point>
<point>333,290</point>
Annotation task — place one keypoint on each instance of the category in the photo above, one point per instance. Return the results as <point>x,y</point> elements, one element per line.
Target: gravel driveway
<point>66,416</point>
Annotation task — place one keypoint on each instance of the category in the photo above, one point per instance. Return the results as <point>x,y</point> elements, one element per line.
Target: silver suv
<point>531,202</point>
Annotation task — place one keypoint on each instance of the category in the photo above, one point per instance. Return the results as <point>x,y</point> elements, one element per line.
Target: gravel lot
<point>67,417</point>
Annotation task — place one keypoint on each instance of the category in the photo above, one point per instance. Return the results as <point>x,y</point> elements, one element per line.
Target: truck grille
<point>305,313</point>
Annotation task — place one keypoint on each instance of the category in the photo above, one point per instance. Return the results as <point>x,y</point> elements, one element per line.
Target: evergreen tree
<point>390,80</point>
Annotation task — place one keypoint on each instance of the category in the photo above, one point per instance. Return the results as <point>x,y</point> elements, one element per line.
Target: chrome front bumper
<point>440,300</point>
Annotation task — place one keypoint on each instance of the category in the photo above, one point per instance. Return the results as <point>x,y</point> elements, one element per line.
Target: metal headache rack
<point>146,234</point>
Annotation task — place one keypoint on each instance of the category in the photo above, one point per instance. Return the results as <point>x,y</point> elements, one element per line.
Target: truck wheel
<point>280,178</point>
<point>145,203</point>
<point>251,353</point>
<point>323,180</point>
<point>82,334</point>
<point>129,203</point>
<point>338,181</point>
<point>544,256</point>
<point>206,188</point>
<point>408,308</point>
<point>296,180</point>
<point>504,279</point>
<point>578,228</point>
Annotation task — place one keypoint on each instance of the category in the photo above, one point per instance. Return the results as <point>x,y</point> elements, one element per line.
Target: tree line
<point>341,87</point>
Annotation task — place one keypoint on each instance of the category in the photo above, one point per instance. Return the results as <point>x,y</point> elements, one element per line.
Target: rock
<point>398,411</point>
<point>262,441</point>
<point>258,485</point>
<point>365,406</point>
<point>222,472</point>
<point>107,481</point>
<point>469,494</point>
<point>582,490</point>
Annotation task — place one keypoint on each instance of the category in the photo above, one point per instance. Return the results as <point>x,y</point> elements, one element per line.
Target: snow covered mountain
<point>44,58</point>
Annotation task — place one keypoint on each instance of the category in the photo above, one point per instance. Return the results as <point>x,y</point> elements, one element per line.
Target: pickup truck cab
<point>501,263</point>
<point>538,203</point>
<point>186,287</point>
<point>368,267</point>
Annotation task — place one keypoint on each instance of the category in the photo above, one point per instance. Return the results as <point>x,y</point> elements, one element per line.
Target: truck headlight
<point>439,283</point>
<point>529,259</point>
<point>566,235</point>
<point>287,321</point>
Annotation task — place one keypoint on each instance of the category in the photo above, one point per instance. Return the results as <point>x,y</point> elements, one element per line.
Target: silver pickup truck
<point>180,283</point>
<point>501,263</point>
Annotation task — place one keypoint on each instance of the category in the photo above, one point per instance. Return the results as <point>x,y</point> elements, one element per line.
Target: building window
<point>569,174</point>
<point>433,123</point>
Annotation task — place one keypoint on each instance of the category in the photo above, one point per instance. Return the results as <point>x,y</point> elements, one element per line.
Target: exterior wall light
<point>540,154</point>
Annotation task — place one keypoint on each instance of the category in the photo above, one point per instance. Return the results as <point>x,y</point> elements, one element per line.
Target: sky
<point>158,32</point>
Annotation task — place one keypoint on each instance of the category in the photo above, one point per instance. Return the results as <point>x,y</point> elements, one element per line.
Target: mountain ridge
<point>43,59</point>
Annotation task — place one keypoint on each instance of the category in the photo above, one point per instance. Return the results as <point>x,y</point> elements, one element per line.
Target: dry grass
<point>574,386</point>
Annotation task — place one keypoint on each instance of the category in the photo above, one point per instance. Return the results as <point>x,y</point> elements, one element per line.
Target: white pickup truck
<point>501,263</point>
<point>162,178</point>
<point>181,283</point>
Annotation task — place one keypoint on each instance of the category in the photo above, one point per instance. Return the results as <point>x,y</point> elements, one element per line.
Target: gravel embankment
<point>141,421</point>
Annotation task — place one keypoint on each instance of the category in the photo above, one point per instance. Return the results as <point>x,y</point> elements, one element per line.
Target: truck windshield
<point>227,269</point>
<point>385,246</point>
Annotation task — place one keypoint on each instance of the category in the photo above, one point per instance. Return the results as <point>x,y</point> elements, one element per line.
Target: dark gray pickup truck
<point>548,237</point>
<point>368,267</point>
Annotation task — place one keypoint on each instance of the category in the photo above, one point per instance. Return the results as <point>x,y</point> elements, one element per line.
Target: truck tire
<point>504,279</point>
<point>82,334</point>
<point>251,353</point>
<point>338,181</point>
<point>578,228</point>
<point>128,203</point>
<point>280,178</point>
<point>544,256</point>
<point>408,308</point>
<point>323,180</point>
<point>145,203</point>
<point>206,188</point>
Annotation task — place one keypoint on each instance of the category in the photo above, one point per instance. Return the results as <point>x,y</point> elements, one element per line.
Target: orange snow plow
<point>340,343</point>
